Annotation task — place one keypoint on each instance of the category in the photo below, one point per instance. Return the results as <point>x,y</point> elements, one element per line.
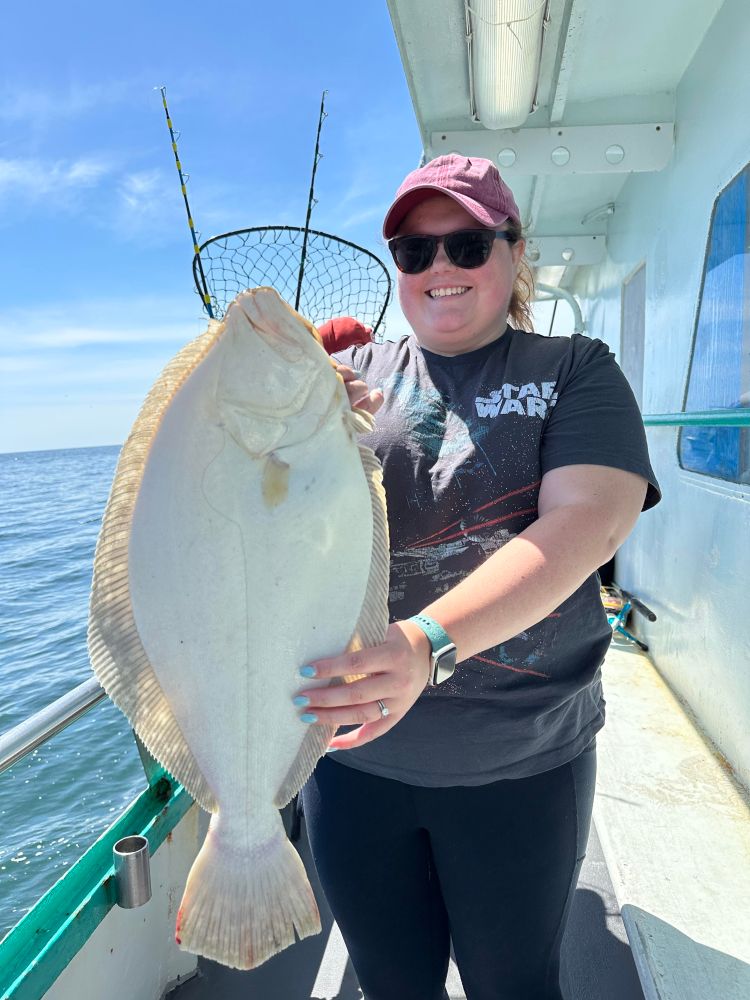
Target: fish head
<point>276,384</point>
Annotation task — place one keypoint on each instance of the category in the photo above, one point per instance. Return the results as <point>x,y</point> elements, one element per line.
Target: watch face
<point>445,664</point>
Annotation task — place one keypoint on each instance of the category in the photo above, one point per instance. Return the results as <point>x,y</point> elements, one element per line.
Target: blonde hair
<point>519,308</point>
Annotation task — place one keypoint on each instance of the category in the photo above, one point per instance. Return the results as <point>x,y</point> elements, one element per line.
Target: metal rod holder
<point>132,872</point>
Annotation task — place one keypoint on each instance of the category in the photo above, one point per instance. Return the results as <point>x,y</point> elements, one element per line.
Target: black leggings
<point>493,868</point>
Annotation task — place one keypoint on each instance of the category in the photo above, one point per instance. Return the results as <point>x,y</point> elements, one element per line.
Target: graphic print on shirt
<point>440,557</point>
<point>438,431</point>
<point>529,400</point>
<point>454,447</point>
<point>455,444</point>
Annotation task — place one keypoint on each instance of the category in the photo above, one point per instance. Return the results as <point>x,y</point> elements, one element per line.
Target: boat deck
<point>596,958</point>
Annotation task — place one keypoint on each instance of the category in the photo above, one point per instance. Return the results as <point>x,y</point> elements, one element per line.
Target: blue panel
<point>716,370</point>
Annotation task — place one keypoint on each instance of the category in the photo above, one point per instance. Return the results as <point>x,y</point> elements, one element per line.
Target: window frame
<point>743,456</point>
<point>626,299</point>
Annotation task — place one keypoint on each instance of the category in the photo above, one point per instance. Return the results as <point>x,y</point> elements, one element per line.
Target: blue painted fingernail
<point>307,671</point>
<point>308,717</point>
<point>300,701</point>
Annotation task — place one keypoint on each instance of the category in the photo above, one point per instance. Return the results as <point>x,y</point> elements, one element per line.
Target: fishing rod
<point>183,180</point>
<point>311,199</point>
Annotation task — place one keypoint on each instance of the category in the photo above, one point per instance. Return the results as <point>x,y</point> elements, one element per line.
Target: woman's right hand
<point>360,396</point>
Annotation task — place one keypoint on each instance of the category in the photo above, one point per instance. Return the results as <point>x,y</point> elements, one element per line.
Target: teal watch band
<point>433,630</point>
<point>443,657</point>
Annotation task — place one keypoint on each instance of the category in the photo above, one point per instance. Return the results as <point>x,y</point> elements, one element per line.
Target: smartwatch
<point>443,656</point>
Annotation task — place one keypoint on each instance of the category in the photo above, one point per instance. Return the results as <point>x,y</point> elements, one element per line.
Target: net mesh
<point>339,278</point>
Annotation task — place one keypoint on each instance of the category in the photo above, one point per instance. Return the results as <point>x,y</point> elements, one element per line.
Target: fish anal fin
<point>314,745</point>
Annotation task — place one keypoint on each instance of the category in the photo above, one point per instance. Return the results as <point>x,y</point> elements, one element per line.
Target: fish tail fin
<point>243,905</point>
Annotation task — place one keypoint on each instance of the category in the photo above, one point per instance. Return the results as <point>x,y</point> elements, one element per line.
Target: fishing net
<point>338,277</point>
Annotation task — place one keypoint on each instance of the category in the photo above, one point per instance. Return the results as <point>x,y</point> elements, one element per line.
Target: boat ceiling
<point>603,63</point>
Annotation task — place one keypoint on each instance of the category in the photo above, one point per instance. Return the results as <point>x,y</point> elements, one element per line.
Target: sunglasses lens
<point>413,254</point>
<point>465,248</point>
<point>469,248</point>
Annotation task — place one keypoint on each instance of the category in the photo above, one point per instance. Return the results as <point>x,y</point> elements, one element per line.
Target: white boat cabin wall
<point>677,270</point>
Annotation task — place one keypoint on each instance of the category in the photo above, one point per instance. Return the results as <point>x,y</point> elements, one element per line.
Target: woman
<point>514,466</point>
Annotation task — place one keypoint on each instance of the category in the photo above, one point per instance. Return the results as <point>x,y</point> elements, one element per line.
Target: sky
<point>95,250</point>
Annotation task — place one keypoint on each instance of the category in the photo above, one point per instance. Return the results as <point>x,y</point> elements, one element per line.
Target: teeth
<point>437,293</point>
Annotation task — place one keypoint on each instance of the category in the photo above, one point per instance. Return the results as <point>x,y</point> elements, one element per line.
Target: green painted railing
<point>700,418</point>
<point>40,946</point>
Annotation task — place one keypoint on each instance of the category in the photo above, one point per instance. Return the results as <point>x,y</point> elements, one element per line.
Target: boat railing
<point>46,939</point>
<point>554,292</point>
<point>21,740</point>
<point>731,417</point>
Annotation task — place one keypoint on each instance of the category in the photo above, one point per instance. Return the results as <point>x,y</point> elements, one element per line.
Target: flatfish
<point>245,534</point>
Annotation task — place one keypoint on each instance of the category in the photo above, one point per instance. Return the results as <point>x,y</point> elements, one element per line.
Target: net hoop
<point>339,278</point>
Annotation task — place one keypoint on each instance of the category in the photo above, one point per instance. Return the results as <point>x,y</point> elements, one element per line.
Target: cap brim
<point>413,197</point>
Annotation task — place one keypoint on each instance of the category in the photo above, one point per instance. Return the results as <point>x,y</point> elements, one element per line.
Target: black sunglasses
<point>465,248</point>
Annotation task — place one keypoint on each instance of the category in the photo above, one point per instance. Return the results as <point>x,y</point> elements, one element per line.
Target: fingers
<point>350,715</point>
<point>359,393</point>
<point>371,401</point>
<point>392,674</point>
<point>361,661</point>
<point>356,702</point>
<point>362,692</point>
<point>352,704</point>
<point>358,737</point>
<point>347,374</point>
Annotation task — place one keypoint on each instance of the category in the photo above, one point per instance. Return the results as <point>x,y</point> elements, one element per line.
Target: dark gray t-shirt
<point>464,442</point>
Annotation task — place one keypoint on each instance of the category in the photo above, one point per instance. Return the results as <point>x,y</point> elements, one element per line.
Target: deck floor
<point>596,957</point>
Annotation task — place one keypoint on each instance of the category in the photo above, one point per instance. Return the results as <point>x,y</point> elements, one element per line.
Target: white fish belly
<point>232,596</point>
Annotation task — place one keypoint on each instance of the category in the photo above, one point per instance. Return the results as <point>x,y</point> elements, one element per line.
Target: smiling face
<point>453,310</point>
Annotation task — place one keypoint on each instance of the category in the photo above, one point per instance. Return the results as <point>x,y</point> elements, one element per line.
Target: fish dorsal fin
<point>372,623</point>
<point>115,649</point>
<point>359,421</point>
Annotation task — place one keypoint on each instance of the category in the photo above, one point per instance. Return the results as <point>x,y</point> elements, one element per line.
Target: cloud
<point>356,186</point>
<point>72,325</point>
<point>49,372</point>
<point>348,222</point>
<point>98,356</point>
<point>141,205</point>
<point>148,207</point>
<point>73,336</point>
<point>33,179</point>
<point>38,106</point>
<point>140,191</point>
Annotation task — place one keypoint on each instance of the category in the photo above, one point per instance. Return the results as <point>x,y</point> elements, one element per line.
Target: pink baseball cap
<point>473,182</point>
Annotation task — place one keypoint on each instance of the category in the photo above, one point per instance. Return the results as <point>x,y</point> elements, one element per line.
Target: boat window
<point>632,330</point>
<point>719,375</point>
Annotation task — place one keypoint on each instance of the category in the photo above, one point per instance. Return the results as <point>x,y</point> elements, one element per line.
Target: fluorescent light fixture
<point>504,39</point>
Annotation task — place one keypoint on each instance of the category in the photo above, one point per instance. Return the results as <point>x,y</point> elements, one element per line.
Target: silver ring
<point>384,710</point>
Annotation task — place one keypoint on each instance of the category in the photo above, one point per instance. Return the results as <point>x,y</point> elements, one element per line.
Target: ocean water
<point>55,803</point>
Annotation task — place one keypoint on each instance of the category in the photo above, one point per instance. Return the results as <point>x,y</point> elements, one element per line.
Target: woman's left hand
<point>359,393</point>
<point>396,674</point>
